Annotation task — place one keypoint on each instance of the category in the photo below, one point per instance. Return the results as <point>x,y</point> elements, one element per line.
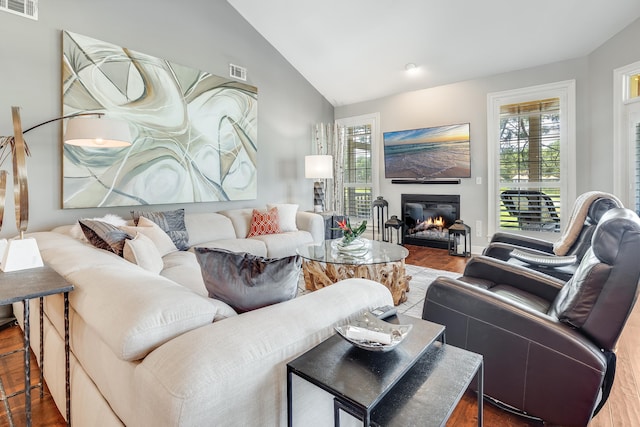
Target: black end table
<point>388,388</point>
<point>24,285</point>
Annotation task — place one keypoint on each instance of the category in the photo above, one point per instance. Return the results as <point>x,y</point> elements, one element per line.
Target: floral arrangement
<point>350,234</point>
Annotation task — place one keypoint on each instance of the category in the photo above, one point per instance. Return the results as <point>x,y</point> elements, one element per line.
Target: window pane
<point>634,86</point>
<point>637,168</point>
<point>530,142</point>
<point>530,209</point>
<point>530,165</point>
<point>357,172</point>
<point>357,159</point>
<point>357,202</point>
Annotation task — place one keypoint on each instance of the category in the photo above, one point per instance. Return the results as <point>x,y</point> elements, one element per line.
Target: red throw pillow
<point>264,222</point>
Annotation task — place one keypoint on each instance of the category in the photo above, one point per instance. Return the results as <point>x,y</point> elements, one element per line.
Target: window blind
<point>637,172</point>
<point>530,165</point>
<point>357,172</point>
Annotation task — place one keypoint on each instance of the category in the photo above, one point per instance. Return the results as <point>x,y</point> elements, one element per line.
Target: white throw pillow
<point>153,231</point>
<point>142,251</point>
<point>286,215</point>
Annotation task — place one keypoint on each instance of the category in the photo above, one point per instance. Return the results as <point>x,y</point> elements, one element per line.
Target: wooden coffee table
<point>323,264</point>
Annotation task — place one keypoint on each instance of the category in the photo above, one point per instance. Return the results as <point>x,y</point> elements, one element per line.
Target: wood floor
<point>621,410</point>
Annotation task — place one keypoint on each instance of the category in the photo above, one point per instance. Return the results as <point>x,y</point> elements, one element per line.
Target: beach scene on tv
<point>435,152</point>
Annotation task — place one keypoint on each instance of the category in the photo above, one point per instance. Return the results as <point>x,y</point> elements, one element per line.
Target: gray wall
<point>207,35</point>
<point>467,102</point>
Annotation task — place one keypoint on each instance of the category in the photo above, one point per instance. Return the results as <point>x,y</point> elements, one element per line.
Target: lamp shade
<point>318,166</point>
<point>97,132</point>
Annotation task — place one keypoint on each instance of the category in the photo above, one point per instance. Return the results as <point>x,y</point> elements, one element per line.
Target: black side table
<point>421,380</point>
<point>22,286</point>
<point>331,219</point>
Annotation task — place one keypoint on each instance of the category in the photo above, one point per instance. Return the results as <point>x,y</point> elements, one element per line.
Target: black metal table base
<point>27,357</point>
<point>23,286</point>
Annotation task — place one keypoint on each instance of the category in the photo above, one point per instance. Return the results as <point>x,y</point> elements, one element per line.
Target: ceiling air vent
<point>235,71</point>
<point>26,8</point>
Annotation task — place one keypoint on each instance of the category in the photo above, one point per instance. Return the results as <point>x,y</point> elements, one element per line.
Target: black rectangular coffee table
<point>359,380</point>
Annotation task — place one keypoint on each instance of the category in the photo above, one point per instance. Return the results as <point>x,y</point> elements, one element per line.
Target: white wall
<point>207,35</point>
<point>466,102</point>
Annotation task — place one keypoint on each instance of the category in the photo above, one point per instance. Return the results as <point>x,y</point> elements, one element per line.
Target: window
<point>637,168</point>
<point>531,157</point>
<point>626,140</point>
<point>359,166</point>
<point>634,86</point>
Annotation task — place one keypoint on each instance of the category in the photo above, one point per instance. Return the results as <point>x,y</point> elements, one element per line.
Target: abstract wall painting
<point>194,133</point>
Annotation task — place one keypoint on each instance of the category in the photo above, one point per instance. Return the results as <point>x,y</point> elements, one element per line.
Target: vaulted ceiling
<point>357,50</point>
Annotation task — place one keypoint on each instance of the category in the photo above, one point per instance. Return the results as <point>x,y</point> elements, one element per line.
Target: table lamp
<point>21,253</point>
<point>318,167</point>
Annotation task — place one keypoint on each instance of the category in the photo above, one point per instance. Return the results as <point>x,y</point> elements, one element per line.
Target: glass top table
<point>372,252</point>
<point>325,263</point>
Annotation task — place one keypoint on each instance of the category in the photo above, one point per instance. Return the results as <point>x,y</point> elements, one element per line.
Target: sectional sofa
<point>152,349</point>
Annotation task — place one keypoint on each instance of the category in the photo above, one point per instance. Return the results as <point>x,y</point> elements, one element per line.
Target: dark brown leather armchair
<point>539,254</point>
<point>548,345</point>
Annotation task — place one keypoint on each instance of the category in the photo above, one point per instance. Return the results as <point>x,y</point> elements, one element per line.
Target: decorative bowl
<point>370,322</point>
<point>356,248</point>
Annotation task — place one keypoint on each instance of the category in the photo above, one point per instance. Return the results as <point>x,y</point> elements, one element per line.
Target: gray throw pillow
<point>172,222</point>
<point>246,281</point>
<point>103,235</point>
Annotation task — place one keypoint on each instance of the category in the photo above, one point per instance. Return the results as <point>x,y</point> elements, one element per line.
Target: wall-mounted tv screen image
<point>435,152</point>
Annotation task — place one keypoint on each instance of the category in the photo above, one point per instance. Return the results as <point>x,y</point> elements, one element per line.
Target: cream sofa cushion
<point>241,219</point>
<point>153,231</point>
<point>154,311</point>
<point>283,244</point>
<point>286,215</point>
<point>143,252</point>
<point>208,226</point>
<point>243,360</point>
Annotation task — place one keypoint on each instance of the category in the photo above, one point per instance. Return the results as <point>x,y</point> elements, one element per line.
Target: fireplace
<point>427,218</point>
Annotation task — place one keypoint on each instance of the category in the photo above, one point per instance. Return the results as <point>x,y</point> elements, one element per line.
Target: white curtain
<point>329,138</point>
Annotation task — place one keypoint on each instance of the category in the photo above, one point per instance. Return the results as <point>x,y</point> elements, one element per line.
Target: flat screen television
<point>428,153</point>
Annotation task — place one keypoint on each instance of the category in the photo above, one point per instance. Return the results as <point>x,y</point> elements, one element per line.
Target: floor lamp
<point>83,129</point>
<point>318,167</point>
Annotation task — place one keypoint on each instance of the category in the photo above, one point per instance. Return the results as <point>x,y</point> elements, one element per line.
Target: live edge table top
<point>31,283</point>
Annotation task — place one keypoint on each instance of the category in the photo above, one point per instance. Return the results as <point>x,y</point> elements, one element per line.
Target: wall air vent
<point>26,8</point>
<point>236,71</point>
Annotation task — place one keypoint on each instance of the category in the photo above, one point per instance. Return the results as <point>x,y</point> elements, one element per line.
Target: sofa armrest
<point>523,241</point>
<point>235,369</point>
<point>311,222</point>
<point>526,279</point>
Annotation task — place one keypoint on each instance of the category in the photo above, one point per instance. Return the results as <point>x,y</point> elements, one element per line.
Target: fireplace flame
<point>437,222</point>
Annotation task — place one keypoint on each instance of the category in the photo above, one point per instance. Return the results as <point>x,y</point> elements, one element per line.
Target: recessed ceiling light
<point>410,66</point>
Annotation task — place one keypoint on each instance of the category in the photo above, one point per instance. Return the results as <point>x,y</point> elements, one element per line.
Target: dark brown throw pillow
<point>103,235</point>
<point>246,281</point>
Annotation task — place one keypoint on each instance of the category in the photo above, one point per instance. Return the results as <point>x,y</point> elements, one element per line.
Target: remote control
<point>384,312</point>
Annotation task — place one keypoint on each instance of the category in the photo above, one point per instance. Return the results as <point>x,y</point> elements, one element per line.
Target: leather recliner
<point>539,254</point>
<point>548,346</point>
